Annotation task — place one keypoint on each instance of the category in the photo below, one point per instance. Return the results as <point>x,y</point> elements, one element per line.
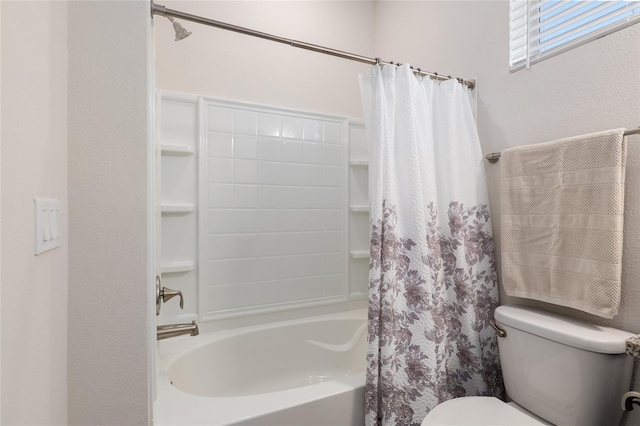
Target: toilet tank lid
<point>563,330</point>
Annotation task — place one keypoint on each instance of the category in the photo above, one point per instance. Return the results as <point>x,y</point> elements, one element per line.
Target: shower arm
<point>157,9</point>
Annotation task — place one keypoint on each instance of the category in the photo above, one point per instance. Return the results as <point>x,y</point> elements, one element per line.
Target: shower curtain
<point>432,273</point>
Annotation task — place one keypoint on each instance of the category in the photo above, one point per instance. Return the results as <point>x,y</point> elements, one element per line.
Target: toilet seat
<point>477,411</point>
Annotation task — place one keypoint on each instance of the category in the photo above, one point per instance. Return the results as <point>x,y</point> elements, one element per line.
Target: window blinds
<point>543,28</point>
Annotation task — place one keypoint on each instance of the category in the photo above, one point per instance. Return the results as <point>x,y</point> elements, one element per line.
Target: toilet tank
<point>563,370</point>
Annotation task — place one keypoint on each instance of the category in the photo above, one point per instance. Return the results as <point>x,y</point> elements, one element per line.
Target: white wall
<point>593,87</point>
<point>234,66</point>
<point>108,253</point>
<point>34,164</point>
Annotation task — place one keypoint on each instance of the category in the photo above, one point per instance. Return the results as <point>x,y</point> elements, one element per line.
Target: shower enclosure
<point>264,218</point>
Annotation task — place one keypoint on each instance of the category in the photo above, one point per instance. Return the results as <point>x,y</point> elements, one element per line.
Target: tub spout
<point>174,330</point>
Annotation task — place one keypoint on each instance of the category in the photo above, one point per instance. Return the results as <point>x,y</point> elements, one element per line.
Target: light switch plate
<point>47,224</point>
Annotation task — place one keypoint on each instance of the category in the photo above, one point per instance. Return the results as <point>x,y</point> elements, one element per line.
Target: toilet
<point>556,370</point>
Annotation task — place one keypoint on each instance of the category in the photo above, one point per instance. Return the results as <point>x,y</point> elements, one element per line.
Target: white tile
<point>268,220</point>
<point>250,270</point>
<point>246,245</point>
<point>331,176</point>
<point>269,173</point>
<point>312,220</point>
<point>245,122</point>
<point>269,197</point>
<point>219,145</point>
<point>312,242</point>
<point>221,297</point>
<point>258,269</point>
<point>332,241</point>
<point>313,264</point>
<point>220,170</point>
<point>312,130</point>
<point>314,287</point>
<point>220,195</point>
<point>220,221</point>
<point>290,173</point>
<point>244,221</point>
<point>291,243</point>
<point>333,286</point>
<point>269,125</point>
<point>245,196</point>
<point>312,198</point>
<point>332,220</point>
<point>292,266</point>
<point>312,152</point>
<point>219,119</point>
<point>331,198</point>
<point>291,151</point>
<point>294,288</point>
<point>291,197</point>
<point>245,171</point>
<point>291,127</point>
<point>245,147</point>
<point>269,244</point>
<point>333,263</point>
<point>222,272</point>
<point>331,154</point>
<point>221,247</point>
<point>269,149</point>
<point>265,293</point>
<point>312,175</point>
<point>332,132</point>
<point>290,220</point>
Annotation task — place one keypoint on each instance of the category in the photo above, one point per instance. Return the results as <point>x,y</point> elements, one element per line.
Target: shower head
<point>181,33</point>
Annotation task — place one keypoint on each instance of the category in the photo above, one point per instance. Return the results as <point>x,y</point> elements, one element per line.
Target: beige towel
<point>562,217</point>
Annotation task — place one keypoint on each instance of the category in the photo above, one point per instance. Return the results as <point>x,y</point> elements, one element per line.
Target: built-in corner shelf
<point>175,267</point>
<point>359,163</point>
<point>359,254</point>
<point>176,150</point>
<point>359,209</point>
<point>177,208</point>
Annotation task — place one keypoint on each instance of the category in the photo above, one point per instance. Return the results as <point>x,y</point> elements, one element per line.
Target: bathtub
<point>301,372</point>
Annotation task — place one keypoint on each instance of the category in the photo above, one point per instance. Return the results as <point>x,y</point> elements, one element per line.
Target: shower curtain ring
<point>378,61</point>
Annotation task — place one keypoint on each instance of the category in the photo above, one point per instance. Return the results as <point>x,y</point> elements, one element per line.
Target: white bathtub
<point>301,372</point>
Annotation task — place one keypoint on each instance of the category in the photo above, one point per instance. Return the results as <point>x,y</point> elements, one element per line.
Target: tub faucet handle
<point>167,294</point>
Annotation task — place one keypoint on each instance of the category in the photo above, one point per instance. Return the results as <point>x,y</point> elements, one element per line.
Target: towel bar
<point>493,157</point>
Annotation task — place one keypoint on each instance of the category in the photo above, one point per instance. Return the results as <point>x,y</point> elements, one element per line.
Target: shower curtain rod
<point>493,157</point>
<point>157,9</point>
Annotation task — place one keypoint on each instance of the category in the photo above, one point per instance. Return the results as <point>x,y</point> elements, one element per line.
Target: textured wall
<point>34,164</point>
<point>238,67</point>
<point>593,87</point>
<point>108,316</point>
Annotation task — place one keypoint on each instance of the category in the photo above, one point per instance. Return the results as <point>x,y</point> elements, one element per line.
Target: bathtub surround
<point>274,208</point>
<point>432,281</point>
<point>255,202</point>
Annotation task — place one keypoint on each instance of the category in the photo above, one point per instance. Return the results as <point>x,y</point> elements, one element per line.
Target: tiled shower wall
<point>275,203</point>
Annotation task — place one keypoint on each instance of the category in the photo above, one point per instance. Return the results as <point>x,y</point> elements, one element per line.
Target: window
<point>543,28</point>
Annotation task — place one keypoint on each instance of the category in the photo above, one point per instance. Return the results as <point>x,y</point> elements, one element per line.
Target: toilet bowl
<point>556,370</point>
<point>479,411</point>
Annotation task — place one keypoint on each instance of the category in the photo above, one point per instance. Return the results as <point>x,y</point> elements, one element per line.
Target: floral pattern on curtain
<point>432,280</point>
